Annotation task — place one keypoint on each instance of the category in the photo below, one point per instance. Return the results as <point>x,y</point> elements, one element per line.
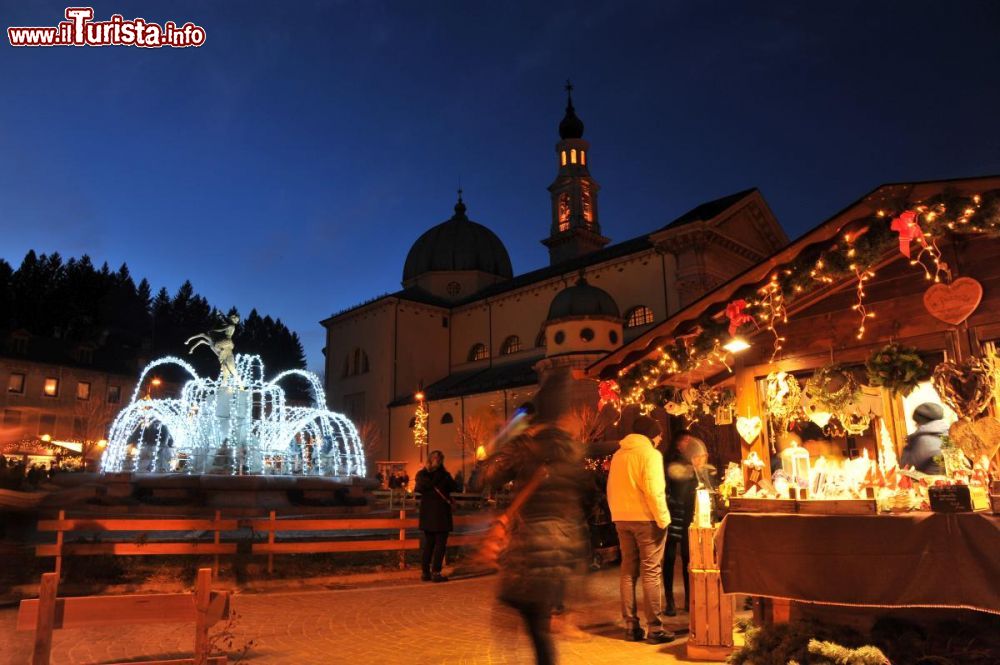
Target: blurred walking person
<point>636,487</point>
<point>547,534</point>
<point>435,485</point>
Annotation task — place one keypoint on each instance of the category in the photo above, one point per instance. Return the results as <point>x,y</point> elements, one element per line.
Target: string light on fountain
<point>237,424</point>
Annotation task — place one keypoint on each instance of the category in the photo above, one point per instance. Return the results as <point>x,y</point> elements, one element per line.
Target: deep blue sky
<point>290,162</point>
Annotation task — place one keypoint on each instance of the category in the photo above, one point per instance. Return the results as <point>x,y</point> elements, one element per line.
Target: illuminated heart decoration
<point>749,428</point>
<point>955,302</point>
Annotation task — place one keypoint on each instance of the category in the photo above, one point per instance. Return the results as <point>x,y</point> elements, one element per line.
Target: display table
<point>904,560</point>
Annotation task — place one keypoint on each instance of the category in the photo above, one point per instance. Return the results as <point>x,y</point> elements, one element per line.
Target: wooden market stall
<point>827,347</point>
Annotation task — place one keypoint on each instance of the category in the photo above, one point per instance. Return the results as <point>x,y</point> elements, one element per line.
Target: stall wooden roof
<point>713,304</point>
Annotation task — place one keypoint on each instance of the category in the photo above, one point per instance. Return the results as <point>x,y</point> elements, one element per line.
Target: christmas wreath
<point>834,388</point>
<point>782,397</point>
<point>897,368</point>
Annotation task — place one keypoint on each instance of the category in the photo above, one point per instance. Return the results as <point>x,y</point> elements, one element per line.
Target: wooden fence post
<point>46,617</point>
<point>270,541</point>
<point>215,563</point>
<point>202,597</point>
<point>59,544</point>
<point>402,538</point>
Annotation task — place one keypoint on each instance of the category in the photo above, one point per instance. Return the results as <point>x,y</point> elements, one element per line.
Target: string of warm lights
<point>855,255</point>
<point>420,421</point>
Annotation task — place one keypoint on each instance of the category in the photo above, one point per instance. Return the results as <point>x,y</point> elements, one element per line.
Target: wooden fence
<point>344,535</point>
<point>204,608</point>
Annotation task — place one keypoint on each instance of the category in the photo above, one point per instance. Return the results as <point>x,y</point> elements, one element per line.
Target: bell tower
<point>576,228</point>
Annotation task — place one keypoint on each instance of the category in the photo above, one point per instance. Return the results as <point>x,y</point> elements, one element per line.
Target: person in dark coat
<point>687,470</point>
<point>924,445</point>
<point>548,537</point>
<point>435,486</point>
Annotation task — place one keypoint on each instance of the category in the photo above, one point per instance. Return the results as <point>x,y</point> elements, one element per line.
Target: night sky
<point>290,162</point>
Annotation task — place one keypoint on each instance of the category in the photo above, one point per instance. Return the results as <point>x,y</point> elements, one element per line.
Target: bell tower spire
<point>575,229</point>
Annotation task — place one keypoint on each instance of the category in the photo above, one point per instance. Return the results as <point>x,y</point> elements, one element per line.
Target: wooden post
<point>59,544</point>
<point>711,615</point>
<point>202,597</point>
<point>270,541</point>
<point>215,563</point>
<point>46,617</point>
<point>402,538</point>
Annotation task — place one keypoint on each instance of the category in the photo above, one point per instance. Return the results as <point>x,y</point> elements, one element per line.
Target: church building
<point>471,338</point>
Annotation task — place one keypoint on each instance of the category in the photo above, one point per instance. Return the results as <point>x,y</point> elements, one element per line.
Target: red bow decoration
<point>908,229</point>
<point>610,393</point>
<point>737,317</point>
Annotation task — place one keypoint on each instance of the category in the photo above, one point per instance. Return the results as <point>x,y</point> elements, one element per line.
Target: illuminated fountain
<point>237,424</point>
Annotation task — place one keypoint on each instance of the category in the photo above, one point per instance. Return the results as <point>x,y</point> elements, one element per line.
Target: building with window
<point>54,390</point>
<point>473,335</point>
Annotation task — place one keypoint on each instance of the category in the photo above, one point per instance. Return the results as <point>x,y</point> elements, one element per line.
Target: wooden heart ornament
<point>749,428</point>
<point>976,438</point>
<point>955,302</point>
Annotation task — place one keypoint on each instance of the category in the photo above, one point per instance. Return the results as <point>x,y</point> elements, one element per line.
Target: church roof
<point>457,244</point>
<point>475,381</point>
<point>704,211</point>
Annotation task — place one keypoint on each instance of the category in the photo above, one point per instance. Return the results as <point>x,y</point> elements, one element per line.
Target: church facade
<point>472,338</point>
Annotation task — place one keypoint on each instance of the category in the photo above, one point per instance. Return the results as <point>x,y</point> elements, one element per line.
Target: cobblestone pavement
<point>413,623</point>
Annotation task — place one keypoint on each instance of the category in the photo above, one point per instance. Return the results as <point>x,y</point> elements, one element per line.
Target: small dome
<point>571,126</point>
<point>458,244</point>
<point>583,300</point>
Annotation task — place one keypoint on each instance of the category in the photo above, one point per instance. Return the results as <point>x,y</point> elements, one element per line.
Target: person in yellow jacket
<point>637,498</point>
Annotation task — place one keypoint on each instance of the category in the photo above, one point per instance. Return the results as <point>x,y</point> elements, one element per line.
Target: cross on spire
<point>569,92</point>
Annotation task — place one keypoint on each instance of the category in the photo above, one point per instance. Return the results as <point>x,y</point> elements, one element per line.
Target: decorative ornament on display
<point>609,392</point>
<point>976,438</point>
<point>736,313</point>
<point>854,422</point>
<point>782,397</point>
<point>967,387</point>
<point>677,408</point>
<point>833,388</point>
<point>953,303</point>
<point>908,229</point>
<point>749,428</point>
<point>897,368</point>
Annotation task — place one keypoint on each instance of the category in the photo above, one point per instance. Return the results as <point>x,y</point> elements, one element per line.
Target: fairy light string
<point>854,255</point>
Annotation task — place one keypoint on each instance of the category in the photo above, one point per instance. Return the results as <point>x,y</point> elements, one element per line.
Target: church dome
<point>583,301</point>
<point>458,244</point>
<point>571,127</point>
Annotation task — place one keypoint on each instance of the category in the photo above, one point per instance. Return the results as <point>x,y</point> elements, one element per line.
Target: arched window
<point>572,156</point>
<point>638,316</point>
<point>540,340</point>
<point>510,345</point>
<point>564,158</point>
<point>583,157</point>
<point>478,352</point>
<point>446,419</point>
<point>413,422</point>
<point>356,363</point>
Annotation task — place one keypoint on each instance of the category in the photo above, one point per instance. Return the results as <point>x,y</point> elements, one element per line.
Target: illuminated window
<point>447,419</point>
<point>83,390</point>
<point>114,394</point>
<point>15,384</point>
<point>564,211</point>
<point>572,156</point>
<point>638,316</point>
<point>51,387</point>
<point>564,158</point>
<point>478,352</point>
<point>583,157</point>
<point>585,204</point>
<point>510,345</point>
